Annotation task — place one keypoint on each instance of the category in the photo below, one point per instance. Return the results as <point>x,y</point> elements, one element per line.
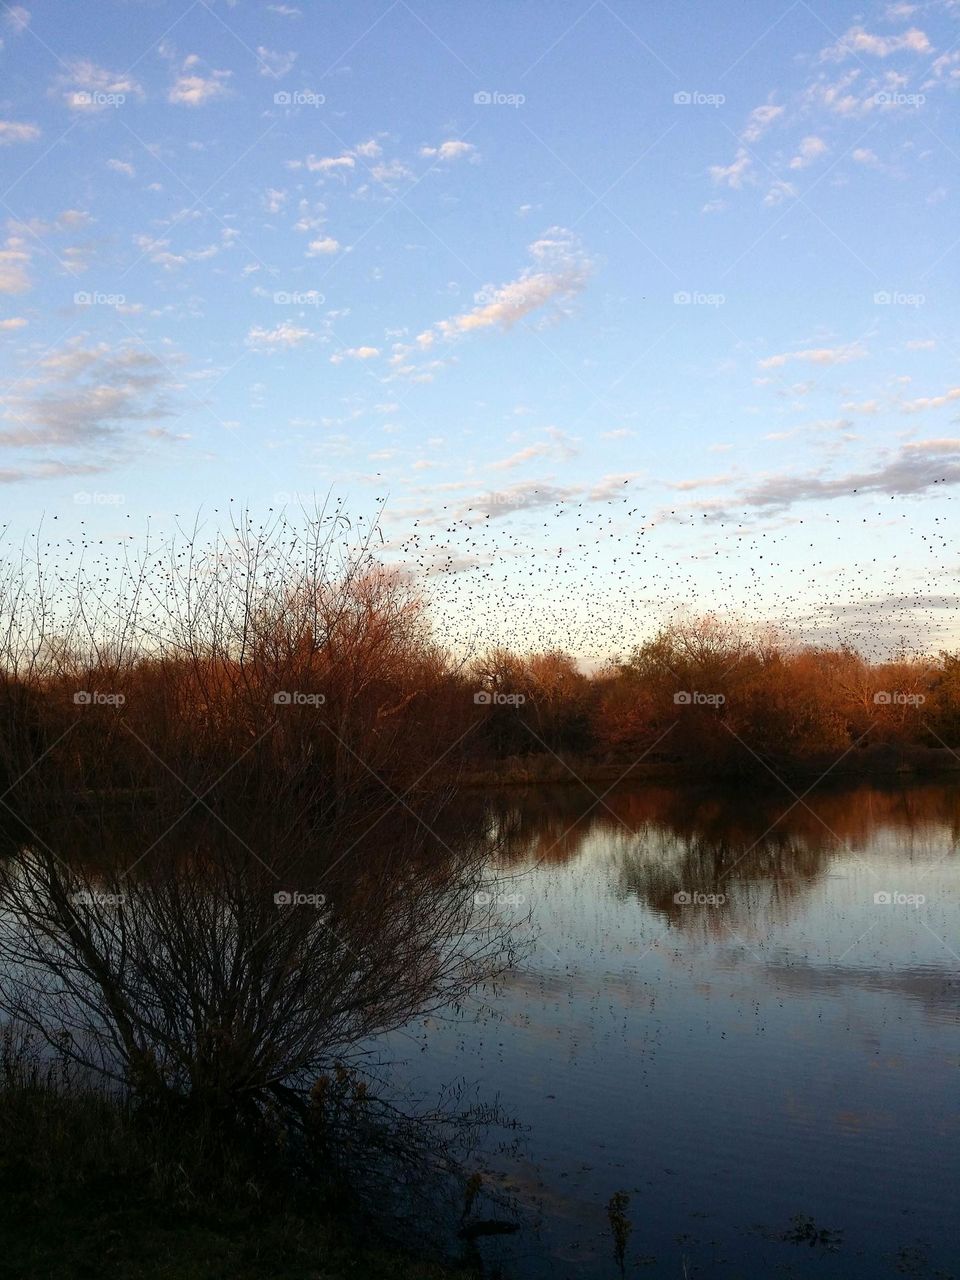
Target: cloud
<point>931,402</point>
<point>779,192</point>
<point>733,174</point>
<point>285,335</point>
<point>284,10</point>
<point>355,353</point>
<point>390,171</point>
<point>324,164</point>
<point>274,64</point>
<point>532,495</point>
<point>817,355</point>
<point>759,121</point>
<point>558,274</point>
<point>325,245</point>
<point>706,482</point>
<point>121,166</point>
<point>12,131</point>
<point>917,468</point>
<point>12,323</point>
<point>17,18</point>
<point>14,265</point>
<point>811,148</point>
<point>858,41</point>
<point>863,155</point>
<point>453,150</point>
<point>89,88</point>
<point>82,394</point>
<point>192,88</point>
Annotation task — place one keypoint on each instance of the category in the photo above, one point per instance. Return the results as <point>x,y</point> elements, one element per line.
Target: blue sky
<point>621,308</point>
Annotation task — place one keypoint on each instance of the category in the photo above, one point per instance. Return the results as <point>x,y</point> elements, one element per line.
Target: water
<point>784,1044</point>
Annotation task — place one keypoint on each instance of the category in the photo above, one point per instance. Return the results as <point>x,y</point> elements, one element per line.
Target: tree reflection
<point>221,971</point>
<point>760,849</point>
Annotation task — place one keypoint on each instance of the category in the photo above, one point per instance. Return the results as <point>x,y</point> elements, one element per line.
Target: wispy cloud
<point>83,394</point>
<point>284,335</point>
<point>195,88</point>
<point>559,272</point>
<point>817,355</point>
<point>857,41</point>
<point>86,87</point>
<point>12,131</point>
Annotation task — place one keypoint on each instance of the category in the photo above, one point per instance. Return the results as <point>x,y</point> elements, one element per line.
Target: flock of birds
<point>595,577</point>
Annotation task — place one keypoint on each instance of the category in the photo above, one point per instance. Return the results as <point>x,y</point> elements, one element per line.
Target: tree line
<point>289,666</point>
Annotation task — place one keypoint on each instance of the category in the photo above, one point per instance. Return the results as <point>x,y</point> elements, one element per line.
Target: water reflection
<point>756,1073</point>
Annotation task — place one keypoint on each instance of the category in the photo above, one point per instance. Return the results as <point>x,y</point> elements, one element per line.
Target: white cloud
<point>390,171</point>
<point>121,166</point>
<point>324,164</point>
<point>811,148</point>
<point>89,88</point>
<point>858,41</point>
<point>14,265</point>
<point>275,64</point>
<point>452,150</point>
<point>733,174</point>
<point>760,120</point>
<point>193,88</point>
<point>355,353</point>
<point>863,155</point>
<point>324,245</point>
<point>817,355</point>
<point>12,323</point>
<point>17,18</point>
<point>559,272</point>
<point>14,131</point>
<point>285,334</point>
<point>932,402</point>
<point>274,200</point>
<point>779,192</point>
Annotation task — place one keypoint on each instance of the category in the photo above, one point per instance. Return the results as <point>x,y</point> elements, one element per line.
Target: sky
<point>612,309</point>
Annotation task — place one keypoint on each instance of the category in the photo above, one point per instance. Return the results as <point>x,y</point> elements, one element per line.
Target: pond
<point>740,1011</point>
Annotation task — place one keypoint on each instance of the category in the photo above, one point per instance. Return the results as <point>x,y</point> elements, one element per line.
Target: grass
<point>90,1187</point>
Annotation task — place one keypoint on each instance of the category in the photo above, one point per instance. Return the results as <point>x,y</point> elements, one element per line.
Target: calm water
<point>792,1048</point>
